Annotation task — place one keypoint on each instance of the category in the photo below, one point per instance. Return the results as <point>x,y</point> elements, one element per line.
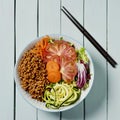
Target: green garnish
<point>51,41</point>
<point>82,55</point>
<point>61,38</point>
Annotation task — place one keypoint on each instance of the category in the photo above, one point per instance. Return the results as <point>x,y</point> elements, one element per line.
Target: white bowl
<point>41,105</point>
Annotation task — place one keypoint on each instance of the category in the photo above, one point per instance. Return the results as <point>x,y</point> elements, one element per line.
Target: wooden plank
<point>95,23</point>
<point>113,49</point>
<point>49,23</point>
<point>6,59</point>
<point>67,28</point>
<point>26,31</point>
<point>49,17</point>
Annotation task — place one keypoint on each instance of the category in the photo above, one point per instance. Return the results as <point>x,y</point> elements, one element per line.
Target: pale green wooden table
<point>21,21</point>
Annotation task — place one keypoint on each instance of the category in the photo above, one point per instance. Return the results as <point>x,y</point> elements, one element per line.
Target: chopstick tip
<point>62,7</point>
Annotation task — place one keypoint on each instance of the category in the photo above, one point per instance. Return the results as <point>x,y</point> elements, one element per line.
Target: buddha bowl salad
<point>67,69</point>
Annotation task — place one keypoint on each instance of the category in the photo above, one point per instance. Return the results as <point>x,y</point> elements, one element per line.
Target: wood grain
<point>67,28</point>
<point>95,23</point>
<point>49,23</point>
<point>21,21</point>
<point>6,59</point>
<point>113,49</point>
<point>26,31</point>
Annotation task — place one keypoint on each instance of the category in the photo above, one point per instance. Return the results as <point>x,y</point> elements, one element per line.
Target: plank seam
<point>37,18</point>
<point>14,100</point>
<point>60,33</point>
<point>84,103</point>
<point>37,36</point>
<point>106,61</point>
<point>83,20</point>
<point>60,17</point>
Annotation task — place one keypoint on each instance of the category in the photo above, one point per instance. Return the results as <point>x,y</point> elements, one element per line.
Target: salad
<point>66,72</point>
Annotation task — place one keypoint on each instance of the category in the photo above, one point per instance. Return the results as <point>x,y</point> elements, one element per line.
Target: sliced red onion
<point>81,75</point>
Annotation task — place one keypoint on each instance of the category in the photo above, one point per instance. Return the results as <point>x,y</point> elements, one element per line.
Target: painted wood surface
<point>26,31</point>
<point>67,28</point>
<point>95,23</point>
<point>49,23</point>
<point>21,21</point>
<point>6,59</point>
<point>114,49</point>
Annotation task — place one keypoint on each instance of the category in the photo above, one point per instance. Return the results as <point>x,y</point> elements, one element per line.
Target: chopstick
<point>89,37</point>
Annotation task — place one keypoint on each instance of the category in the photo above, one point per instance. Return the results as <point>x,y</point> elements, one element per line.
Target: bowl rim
<point>36,103</point>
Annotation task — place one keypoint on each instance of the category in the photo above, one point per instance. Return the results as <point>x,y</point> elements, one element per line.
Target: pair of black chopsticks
<point>90,37</point>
